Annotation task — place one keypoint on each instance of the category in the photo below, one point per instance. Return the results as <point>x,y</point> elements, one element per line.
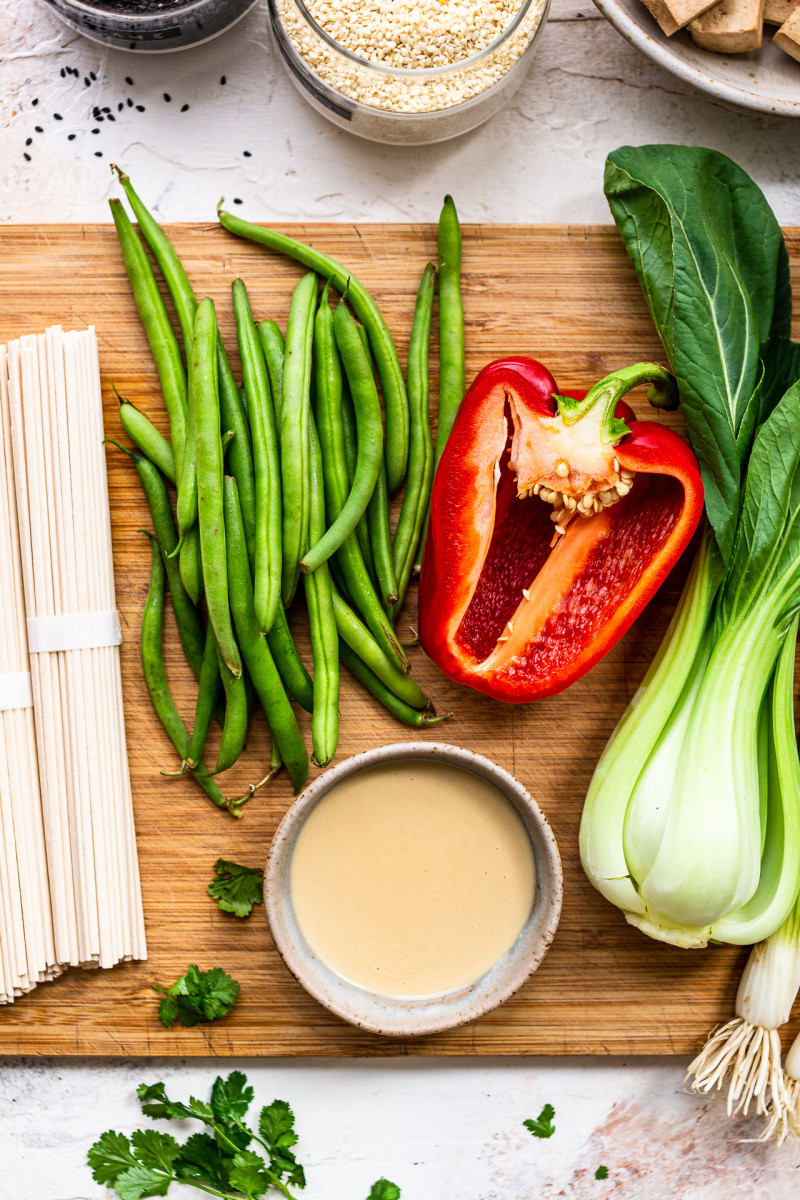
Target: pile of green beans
<point>286,478</point>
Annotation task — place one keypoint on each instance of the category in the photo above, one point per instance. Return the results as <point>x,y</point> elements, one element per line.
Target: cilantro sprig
<point>235,888</point>
<point>230,1159</point>
<point>542,1126</point>
<point>197,996</point>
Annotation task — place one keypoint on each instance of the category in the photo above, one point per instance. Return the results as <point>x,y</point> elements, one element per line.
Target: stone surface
<point>439,1129</point>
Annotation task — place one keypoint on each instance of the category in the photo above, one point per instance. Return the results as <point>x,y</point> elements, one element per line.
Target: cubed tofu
<point>778,11</point>
<point>731,27</point>
<point>788,36</point>
<point>673,15</point>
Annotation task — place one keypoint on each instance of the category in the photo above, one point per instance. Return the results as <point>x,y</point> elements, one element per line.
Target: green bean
<point>205,401</point>
<point>187,618</point>
<point>155,676</point>
<point>296,678</point>
<point>391,375</point>
<point>324,638</point>
<point>266,458</point>
<point>361,642</point>
<point>263,671</point>
<point>233,417</point>
<point>191,567</point>
<point>207,696</point>
<point>295,407</point>
<point>420,458</point>
<point>144,434</point>
<point>153,315</point>
<point>451,324</point>
<point>349,561</point>
<point>370,439</point>
<point>378,520</point>
<point>398,708</point>
<point>274,348</point>
<point>237,714</point>
<point>350,437</point>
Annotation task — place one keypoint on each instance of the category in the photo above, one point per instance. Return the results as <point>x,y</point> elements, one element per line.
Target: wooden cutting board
<point>565,294</point>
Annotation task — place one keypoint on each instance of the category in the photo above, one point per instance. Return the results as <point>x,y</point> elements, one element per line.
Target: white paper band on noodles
<point>15,691</point>
<point>74,631</point>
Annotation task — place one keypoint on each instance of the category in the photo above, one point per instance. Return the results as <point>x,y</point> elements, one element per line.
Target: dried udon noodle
<point>86,910</point>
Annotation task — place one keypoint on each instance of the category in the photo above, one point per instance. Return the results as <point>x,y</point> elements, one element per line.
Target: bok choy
<point>692,820</point>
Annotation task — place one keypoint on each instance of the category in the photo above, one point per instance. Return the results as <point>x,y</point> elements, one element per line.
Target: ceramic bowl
<point>412,1016</point>
<point>767,81</point>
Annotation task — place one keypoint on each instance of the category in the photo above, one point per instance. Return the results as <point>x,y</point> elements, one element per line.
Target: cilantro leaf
<point>601,1173</point>
<point>236,889</point>
<point>382,1189</point>
<point>156,1104</point>
<point>155,1149</point>
<point>202,1161</point>
<point>231,1097</point>
<point>141,1181</point>
<point>197,996</point>
<point>110,1157</point>
<point>249,1174</point>
<point>276,1126</point>
<point>543,1126</point>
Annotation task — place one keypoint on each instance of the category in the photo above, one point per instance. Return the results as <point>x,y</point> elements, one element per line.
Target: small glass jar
<point>410,106</point>
<point>150,25</point>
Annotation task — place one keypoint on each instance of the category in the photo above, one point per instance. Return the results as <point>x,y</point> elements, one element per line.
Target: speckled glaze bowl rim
<point>671,59</point>
<point>410,1016</point>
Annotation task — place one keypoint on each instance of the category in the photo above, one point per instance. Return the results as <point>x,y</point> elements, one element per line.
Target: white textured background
<point>442,1129</point>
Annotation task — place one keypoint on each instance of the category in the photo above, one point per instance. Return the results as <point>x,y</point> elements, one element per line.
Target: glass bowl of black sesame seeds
<point>151,25</point>
<point>407,71</point>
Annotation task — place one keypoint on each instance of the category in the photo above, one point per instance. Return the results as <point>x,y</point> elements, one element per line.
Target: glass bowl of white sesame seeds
<point>407,71</point>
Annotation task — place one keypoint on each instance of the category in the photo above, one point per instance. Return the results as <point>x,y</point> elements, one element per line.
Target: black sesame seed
<point>105,110</point>
<point>223,80</point>
<point>120,106</point>
<point>28,141</point>
<point>98,153</point>
<point>38,129</point>
<point>70,137</point>
<point>140,108</point>
<point>185,108</point>
<point>93,76</point>
<point>129,102</point>
<point>167,97</point>
<point>236,200</point>
<point>129,81</point>
<point>63,73</point>
<point>57,117</point>
<point>111,117</point>
<point>87,81</point>
<point>35,102</point>
<point>247,154</point>
<point>26,156</point>
<point>95,131</point>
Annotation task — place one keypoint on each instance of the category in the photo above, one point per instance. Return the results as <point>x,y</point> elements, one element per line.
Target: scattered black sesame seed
<point>247,154</point>
<point>185,108</point>
<point>120,106</point>
<point>38,129</point>
<point>95,131</point>
<point>129,102</point>
<point>167,97</point>
<point>87,81</point>
<point>140,108</point>
<point>26,155</point>
<point>98,153</point>
<point>111,117</point>
<point>35,102</point>
<point>28,141</point>
<point>129,81</point>
<point>63,73</point>
<point>223,80</point>
<point>236,200</point>
<point>105,110</point>
<point>93,76</point>
<point>70,137</point>
<point>57,117</point>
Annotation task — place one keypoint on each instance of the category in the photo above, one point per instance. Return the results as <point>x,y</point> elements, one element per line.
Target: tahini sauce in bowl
<point>413,888</point>
<point>412,878</point>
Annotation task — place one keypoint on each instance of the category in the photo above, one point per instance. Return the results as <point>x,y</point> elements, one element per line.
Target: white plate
<point>768,81</point>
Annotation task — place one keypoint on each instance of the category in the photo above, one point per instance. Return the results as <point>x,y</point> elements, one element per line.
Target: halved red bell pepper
<point>554,519</point>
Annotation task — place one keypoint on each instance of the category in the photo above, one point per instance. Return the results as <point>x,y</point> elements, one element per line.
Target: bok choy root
<point>692,820</point>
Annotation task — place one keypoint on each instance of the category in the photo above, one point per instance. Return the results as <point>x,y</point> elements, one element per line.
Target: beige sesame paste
<point>412,878</point>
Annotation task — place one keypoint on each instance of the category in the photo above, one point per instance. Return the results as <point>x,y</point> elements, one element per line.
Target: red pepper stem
<point>603,398</point>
